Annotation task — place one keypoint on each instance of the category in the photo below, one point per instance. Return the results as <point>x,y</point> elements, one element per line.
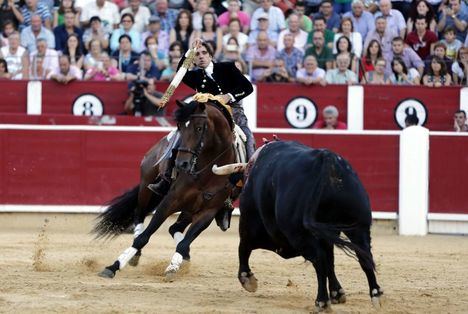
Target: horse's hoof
<point>169,276</point>
<point>322,306</point>
<point>338,296</point>
<point>248,281</point>
<point>107,273</point>
<point>377,299</point>
<point>134,260</point>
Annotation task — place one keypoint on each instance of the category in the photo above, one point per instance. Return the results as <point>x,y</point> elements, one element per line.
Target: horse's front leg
<point>177,229</point>
<point>164,210</point>
<point>199,223</point>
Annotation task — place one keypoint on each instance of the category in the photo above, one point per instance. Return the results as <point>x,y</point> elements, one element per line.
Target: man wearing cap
<point>96,31</point>
<point>221,79</point>
<point>263,27</point>
<point>140,13</point>
<point>275,16</point>
<point>154,30</point>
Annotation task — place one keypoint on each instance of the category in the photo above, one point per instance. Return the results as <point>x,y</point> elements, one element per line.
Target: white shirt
<point>276,21</point>
<point>141,18</point>
<point>14,61</point>
<point>300,40</point>
<point>109,13</point>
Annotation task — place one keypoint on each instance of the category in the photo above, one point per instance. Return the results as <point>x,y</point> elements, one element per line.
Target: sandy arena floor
<point>49,264</point>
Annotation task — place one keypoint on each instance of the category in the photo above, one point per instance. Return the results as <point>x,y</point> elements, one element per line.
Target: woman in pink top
<point>234,12</point>
<point>103,71</point>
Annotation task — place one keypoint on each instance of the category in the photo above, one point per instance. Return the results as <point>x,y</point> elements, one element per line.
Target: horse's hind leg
<point>337,293</point>
<point>361,238</point>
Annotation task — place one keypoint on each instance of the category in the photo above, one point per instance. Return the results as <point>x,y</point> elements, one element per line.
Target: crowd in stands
<point>404,42</point>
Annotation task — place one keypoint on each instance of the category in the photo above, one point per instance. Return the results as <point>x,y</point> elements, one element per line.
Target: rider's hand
<point>197,43</point>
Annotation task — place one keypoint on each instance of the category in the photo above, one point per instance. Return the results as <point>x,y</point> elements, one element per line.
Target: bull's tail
<point>118,216</point>
<point>331,232</point>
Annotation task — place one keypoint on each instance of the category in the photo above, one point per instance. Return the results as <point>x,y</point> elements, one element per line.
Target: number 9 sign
<point>301,112</point>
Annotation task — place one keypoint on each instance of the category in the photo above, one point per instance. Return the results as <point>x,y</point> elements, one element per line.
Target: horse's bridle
<point>197,150</point>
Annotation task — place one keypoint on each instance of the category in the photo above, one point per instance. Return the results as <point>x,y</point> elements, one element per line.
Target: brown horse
<point>206,138</point>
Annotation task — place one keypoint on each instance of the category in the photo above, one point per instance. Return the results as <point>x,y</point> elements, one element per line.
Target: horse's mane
<point>182,114</point>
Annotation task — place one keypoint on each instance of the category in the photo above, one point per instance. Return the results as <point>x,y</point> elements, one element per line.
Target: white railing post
<point>355,107</point>
<point>414,181</point>
<point>34,100</point>
<point>250,104</point>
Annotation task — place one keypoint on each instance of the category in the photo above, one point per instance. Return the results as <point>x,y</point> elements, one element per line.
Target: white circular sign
<point>301,112</point>
<point>410,107</point>
<point>88,105</point>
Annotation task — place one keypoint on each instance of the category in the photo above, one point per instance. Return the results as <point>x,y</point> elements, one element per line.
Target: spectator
<point>373,53</point>
<point>291,56</point>
<point>8,28</point>
<point>140,13</point>
<point>330,120</point>
<point>126,27</point>
<point>277,74</point>
<point>64,30</point>
<point>103,70</point>
<point>371,6</point>
<point>332,19</point>
<point>263,26</point>
<point>231,51</point>
<point>202,7</point>
<point>453,16</point>
<point>437,75</point>
<point>144,100</point>
<point>30,34</point>
<point>275,16</point>
<point>310,74</point>
<point>287,6</point>
<point>440,50</point>
<point>154,30</point>
<point>421,8</point>
<point>167,16</point>
<point>322,53</point>
<point>320,25</point>
<point>234,31</point>
<point>300,36</point>
<point>400,74</point>
<point>94,54</point>
<point>107,11</point>
<point>421,40</point>
<point>143,68</point>
<point>402,6</point>
<point>176,51</point>
<point>394,18</point>
<point>378,76</point>
<point>43,61</point>
<point>16,57</point>
<point>234,12</point>
<point>363,21</point>
<point>460,67</point>
<point>459,121</point>
<point>305,22</point>
<point>341,6</point>
<point>66,72</point>
<point>346,29</point>
<point>249,6</point>
<point>168,73</point>
<point>344,46</point>
<point>312,7</point>
<point>96,32</point>
<point>210,32</point>
<point>383,36</point>
<point>451,42</point>
<point>125,56</point>
<point>183,29</point>
<point>10,11</point>
<point>260,56</point>
<point>341,75</point>
<point>4,75</point>
<point>74,51</point>
<point>64,7</point>
<point>32,8</point>
<point>159,57</point>
<point>411,59</point>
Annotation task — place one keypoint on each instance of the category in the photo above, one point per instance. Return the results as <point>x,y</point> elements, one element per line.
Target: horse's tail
<point>118,216</point>
<point>331,233</point>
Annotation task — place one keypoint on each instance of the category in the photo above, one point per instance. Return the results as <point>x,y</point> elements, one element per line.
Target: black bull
<point>296,202</point>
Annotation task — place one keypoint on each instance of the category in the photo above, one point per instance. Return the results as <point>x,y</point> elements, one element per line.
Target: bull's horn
<point>228,169</point>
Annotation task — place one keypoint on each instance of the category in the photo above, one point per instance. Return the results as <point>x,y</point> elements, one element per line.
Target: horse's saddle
<point>240,140</point>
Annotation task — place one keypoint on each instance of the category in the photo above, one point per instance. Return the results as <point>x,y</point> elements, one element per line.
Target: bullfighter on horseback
<point>226,83</point>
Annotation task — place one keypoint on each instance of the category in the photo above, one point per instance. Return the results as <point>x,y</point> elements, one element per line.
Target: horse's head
<point>202,128</point>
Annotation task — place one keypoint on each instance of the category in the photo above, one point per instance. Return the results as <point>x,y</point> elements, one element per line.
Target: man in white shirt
<point>275,16</point>
<point>65,73</point>
<point>107,11</point>
<point>140,13</point>
<point>395,19</point>
<point>300,36</point>
<point>49,59</point>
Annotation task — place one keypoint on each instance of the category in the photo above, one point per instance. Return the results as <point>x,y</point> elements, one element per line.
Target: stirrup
<point>160,188</point>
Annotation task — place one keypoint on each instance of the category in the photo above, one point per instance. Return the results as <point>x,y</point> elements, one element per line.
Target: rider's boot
<point>163,181</point>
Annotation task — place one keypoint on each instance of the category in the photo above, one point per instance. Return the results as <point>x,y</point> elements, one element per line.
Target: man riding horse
<point>226,83</point>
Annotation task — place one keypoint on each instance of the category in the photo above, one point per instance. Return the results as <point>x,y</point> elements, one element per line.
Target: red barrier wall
<point>381,102</point>
<point>14,96</point>
<point>91,167</point>
<point>448,165</point>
